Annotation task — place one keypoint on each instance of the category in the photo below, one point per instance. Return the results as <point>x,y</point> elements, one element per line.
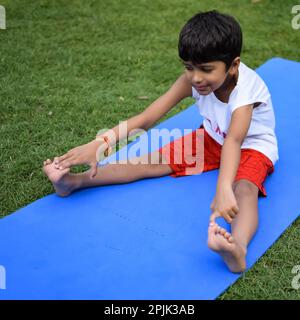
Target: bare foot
<point>222,242</point>
<point>61,180</point>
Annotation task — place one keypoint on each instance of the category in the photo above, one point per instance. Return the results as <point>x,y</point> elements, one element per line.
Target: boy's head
<point>210,45</point>
<point>210,36</point>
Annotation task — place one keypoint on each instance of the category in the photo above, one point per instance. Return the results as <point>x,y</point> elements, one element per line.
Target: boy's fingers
<point>235,209</point>
<point>62,158</point>
<point>68,163</point>
<point>93,170</point>
<point>231,214</point>
<point>228,219</point>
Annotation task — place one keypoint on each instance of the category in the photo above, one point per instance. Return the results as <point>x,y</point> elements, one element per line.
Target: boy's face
<point>209,76</point>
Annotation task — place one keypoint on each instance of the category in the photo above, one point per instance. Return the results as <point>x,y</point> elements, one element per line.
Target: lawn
<point>70,68</point>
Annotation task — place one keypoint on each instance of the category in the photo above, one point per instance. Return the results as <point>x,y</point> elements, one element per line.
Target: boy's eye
<point>207,70</point>
<point>204,69</point>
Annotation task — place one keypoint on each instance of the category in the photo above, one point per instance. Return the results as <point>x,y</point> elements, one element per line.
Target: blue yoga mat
<point>147,239</point>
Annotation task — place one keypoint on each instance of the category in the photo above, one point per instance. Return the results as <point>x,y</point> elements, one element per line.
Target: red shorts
<point>198,152</point>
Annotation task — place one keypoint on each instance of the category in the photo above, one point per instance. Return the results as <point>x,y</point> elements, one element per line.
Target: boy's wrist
<point>224,185</point>
<point>102,138</point>
<point>112,136</point>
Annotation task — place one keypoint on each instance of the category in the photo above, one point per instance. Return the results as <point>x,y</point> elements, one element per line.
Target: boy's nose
<point>197,78</point>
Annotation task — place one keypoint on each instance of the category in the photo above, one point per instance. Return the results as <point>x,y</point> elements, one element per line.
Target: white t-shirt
<point>250,88</point>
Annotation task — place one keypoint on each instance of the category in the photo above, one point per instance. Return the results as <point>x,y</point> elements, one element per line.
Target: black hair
<point>210,36</point>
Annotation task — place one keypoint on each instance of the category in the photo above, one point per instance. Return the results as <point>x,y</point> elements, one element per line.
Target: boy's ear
<point>236,61</point>
<point>235,66</point>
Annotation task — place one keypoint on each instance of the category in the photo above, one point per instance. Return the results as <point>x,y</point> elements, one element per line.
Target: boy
<point>238,132</point>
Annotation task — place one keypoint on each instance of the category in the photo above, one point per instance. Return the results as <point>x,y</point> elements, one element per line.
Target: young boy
<point>238,132</point>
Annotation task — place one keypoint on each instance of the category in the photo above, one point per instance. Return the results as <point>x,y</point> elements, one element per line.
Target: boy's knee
<point>244,187</point>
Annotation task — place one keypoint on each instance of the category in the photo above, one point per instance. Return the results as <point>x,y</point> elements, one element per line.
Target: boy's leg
<point>245,223</point>
<point>150,165</point>
<point>233,247</point>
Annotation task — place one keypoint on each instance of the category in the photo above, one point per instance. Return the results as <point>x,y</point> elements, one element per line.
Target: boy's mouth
<point>202,88</point>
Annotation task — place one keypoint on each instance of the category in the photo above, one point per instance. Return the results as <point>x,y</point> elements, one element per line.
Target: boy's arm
<point>155,111</point>
<point>179,90</point>
<point>87,153</point>
<point>224,203</point>
<point>145,120</point>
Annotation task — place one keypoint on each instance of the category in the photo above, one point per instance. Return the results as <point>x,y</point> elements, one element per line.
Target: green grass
<point>65,64</point>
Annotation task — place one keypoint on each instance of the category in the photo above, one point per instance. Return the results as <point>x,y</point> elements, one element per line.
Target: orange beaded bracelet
<point>106,139</point>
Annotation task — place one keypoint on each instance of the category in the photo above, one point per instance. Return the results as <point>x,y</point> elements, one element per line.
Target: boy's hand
<point>84,154</point>
<point>224,205</point>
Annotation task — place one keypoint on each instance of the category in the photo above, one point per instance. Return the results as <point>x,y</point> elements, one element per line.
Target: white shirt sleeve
<point>255,92</point>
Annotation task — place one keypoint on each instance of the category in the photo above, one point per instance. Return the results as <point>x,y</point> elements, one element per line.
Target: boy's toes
<point>227,235</point>
<point>230,239</point>
<point>222,231</point>
<point>47,162</point>
<point>213,229</point>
